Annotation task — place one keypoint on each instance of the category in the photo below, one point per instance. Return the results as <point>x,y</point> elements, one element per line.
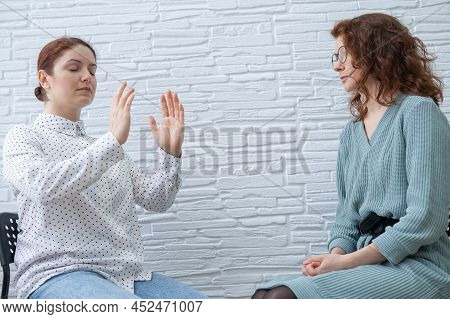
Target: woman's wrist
<point>338,251</point>
<point>352,260</point>
<point>174,153</point>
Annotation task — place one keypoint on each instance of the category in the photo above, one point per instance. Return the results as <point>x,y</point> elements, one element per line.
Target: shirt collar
<point>60,124</point>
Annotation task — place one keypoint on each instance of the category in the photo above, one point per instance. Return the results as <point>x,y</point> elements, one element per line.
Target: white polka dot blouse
<point>76,196</point>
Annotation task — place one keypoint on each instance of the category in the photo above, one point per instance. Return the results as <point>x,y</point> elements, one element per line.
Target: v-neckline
<point>378,127</point>
<point>381,123</point>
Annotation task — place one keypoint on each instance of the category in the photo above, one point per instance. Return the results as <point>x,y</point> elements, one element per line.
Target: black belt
<point>375,225</point>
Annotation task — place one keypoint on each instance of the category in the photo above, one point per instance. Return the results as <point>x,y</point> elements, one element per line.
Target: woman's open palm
<point>170,134</point>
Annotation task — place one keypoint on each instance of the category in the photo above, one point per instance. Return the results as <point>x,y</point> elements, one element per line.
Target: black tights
<point>280,292</point>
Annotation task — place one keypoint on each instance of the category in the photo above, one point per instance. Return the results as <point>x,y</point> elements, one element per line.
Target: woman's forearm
<point>366,256</point>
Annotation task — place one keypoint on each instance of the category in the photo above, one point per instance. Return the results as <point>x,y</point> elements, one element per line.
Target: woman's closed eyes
<point>78,69</point>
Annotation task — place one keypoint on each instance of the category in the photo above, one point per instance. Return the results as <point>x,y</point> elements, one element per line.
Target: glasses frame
<point>335,56</point>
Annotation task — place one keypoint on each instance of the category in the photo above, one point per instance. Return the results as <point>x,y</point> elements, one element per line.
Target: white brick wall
<point>264,111</point>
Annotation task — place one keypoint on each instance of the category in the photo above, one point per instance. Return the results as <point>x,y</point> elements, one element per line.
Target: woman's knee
<point>80,285</point>
<point>281,292</point>
<point>260,293</point>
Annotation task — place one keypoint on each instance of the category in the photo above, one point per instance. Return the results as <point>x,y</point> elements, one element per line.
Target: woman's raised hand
<point>120,118</point>
<point>170,134</point>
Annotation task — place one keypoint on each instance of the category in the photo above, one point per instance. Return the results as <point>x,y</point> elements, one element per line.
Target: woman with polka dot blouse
<point>76,194</point>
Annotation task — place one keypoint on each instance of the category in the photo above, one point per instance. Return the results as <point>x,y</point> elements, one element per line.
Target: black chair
<point>8,239</point>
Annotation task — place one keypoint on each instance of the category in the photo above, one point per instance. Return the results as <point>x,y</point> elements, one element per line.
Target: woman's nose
<point>338,66</point>
<point>86,76</point>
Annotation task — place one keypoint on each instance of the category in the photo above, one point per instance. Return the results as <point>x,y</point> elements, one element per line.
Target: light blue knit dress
<point>403,172</point>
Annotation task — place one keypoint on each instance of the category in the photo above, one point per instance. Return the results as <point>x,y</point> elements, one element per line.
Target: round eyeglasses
<point>340,56</point>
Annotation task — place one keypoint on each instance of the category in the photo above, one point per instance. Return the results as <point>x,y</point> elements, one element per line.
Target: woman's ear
<point>43,79</point>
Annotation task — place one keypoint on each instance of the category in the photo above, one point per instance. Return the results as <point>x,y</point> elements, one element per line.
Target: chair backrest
<point>8,237</point>
<point>8,240</point>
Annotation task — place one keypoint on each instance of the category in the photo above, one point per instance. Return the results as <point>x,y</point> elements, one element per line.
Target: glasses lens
<point>334,58</point>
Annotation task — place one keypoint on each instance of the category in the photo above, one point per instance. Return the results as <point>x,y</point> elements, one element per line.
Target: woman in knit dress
<point>393,161</point>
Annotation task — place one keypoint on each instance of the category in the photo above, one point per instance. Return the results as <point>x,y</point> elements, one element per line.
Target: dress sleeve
<point>345,231</point>
<point>427,137</point>
<point>157,192</point>
<point>35,174</point>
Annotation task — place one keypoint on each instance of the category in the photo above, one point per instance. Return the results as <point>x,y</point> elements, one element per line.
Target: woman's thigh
<point>377,281</point>
<point>80,285</point>
<point>163,287</point>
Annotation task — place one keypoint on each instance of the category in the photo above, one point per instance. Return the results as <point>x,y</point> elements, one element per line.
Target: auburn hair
<point>384,49</point>
<point>50,52</point>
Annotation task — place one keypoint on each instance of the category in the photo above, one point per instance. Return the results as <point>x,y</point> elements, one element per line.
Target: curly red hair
<point>381,47</point>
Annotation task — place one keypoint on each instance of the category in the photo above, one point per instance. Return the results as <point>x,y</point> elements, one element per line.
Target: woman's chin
<point>81,105</point>
<point>348,88</point>
<point>85,102</point>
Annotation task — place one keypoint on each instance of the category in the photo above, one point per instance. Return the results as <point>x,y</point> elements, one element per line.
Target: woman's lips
<point>344,78</point>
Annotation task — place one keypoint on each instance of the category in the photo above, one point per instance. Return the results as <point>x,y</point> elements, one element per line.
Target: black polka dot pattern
<point>77,197</point>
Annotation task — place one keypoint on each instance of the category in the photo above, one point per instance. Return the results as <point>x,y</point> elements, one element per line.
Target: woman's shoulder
<point>415,103</point>
<point>20,133</point>
<point>21,129</point>
<point>417,109</point>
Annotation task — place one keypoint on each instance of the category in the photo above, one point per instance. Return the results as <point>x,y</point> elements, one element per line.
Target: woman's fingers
<point>309,267</point>
<point>169,98</point>
<point>182,114</point>
<point>312,259</point>
<point>164,107</point>
<point>119,121</point>
<point>314,271</point>
<point>171,106</point>
<point>303,271</point>
<point>307,270</point>
<point>307,261</point>
<point>124,98</point>
<point>129,101</point>
<point>153,125</point>
<point>119,92</point>
<point>176,102</point>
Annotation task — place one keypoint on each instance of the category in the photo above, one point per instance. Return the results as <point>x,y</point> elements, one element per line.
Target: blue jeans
<point>82,284</point>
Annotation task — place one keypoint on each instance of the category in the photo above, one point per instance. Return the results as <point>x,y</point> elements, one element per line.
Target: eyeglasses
<point>340,56</point>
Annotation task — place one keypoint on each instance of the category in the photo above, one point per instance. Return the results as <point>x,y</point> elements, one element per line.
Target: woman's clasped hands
<point>316,265</point>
